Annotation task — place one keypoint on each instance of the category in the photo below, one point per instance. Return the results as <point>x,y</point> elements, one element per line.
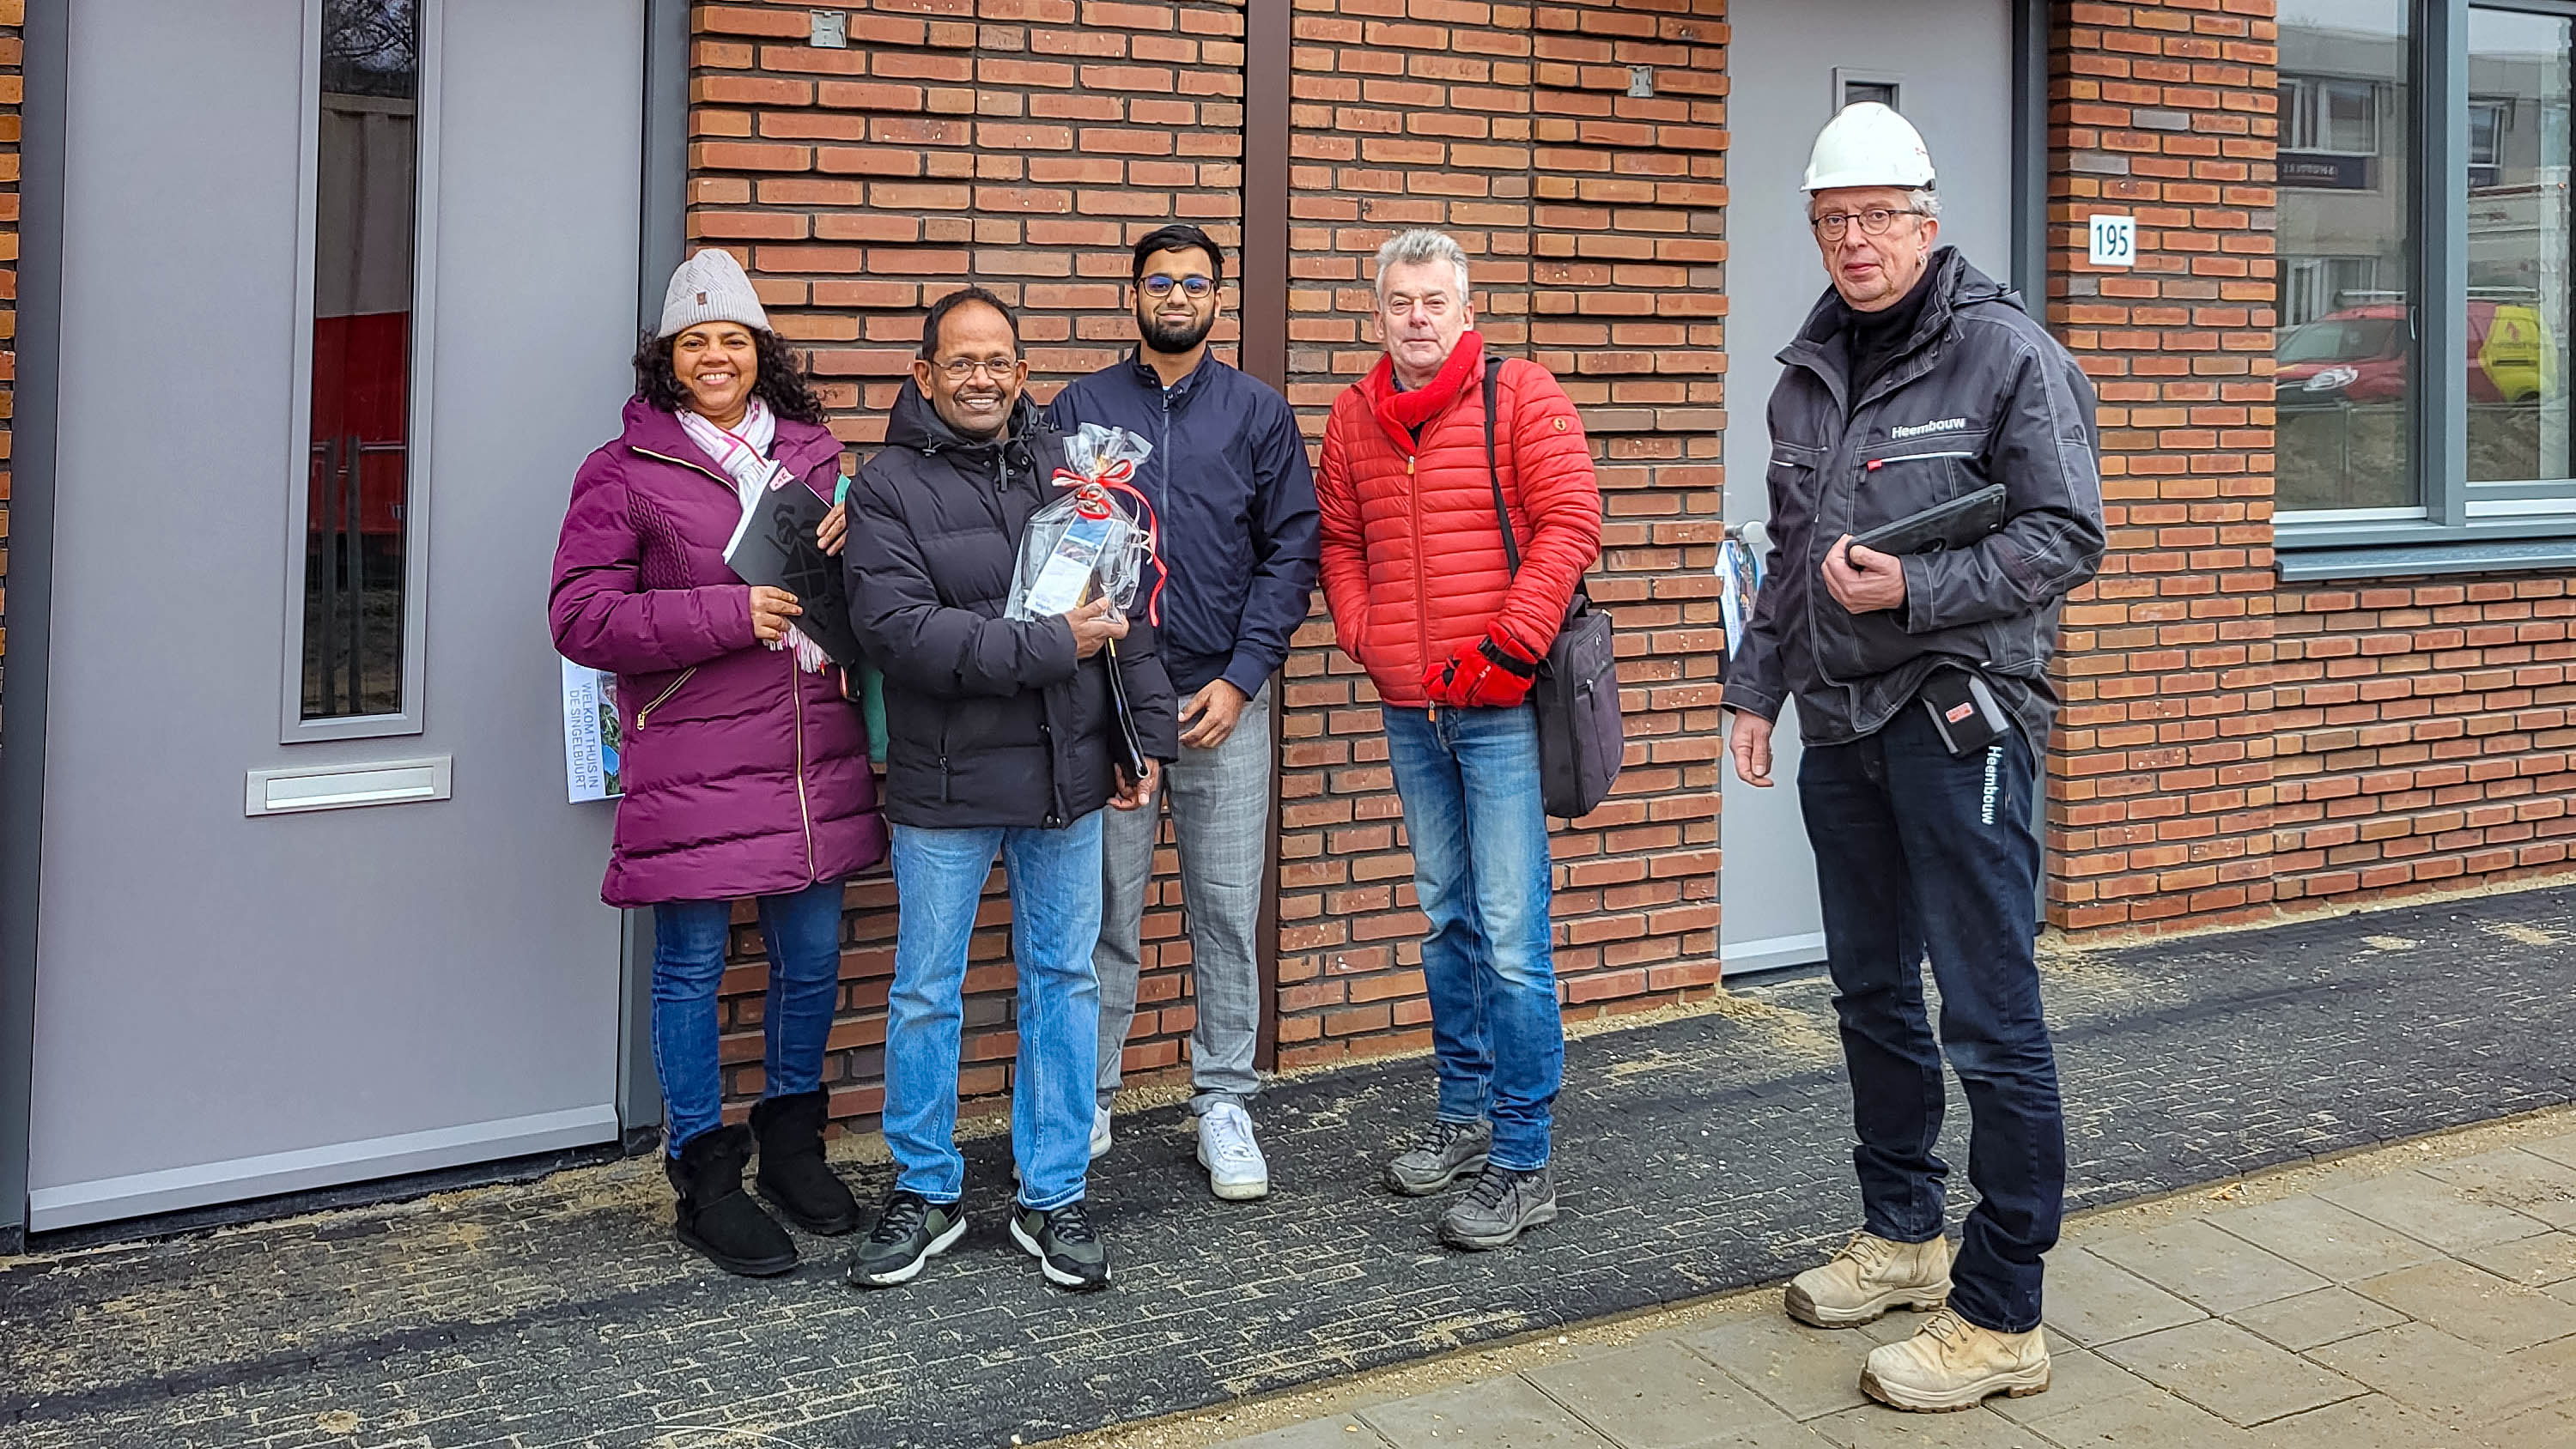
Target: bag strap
<point>1582,596</point>
<point>1493,474</point>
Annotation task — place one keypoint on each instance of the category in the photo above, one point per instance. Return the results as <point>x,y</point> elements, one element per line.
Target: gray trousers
<point>1220,804</point>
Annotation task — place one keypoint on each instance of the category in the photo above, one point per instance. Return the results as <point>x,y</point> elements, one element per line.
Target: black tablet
<point>1955,524</point>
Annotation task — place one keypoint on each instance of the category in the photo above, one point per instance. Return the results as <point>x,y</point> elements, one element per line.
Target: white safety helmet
<point>1868,145</point>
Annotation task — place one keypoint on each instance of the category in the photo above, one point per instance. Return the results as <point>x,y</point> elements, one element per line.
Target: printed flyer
<point>1741,569</point>
<point>591,734</point>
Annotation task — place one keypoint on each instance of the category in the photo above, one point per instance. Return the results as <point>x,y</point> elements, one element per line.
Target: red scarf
<point>1401,412</point>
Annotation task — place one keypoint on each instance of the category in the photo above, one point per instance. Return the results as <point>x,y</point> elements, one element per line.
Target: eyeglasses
<point>1195,288</point>
<point>1873,222</point>
<point>959,369</point>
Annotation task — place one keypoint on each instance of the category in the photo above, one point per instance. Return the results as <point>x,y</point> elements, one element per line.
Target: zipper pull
<point>1873,465</point>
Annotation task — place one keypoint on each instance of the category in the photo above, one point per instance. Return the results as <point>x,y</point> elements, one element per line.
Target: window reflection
<point>2344,358</point>
<point>2519,236</point>
<point>365,210</point>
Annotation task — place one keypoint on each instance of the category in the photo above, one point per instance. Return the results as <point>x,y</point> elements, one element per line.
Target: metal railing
<point>335,581</point>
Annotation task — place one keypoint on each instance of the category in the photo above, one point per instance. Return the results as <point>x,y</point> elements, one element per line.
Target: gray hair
<point>1421,244</point>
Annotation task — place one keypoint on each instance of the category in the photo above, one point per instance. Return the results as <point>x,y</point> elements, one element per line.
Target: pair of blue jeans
<point>803,931</point>
<point>939,876</point>
<point>1469,783</point>
<point>1919,852</point>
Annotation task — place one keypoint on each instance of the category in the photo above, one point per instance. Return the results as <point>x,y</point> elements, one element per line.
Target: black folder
<point>1126,747</point>
<point>776,547</point>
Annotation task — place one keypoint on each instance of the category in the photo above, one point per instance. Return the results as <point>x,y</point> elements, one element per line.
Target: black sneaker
<point>910,1231</point>
<point>1062,1241</point>
<point>1441,1156</point>
<point>1498,1206</point>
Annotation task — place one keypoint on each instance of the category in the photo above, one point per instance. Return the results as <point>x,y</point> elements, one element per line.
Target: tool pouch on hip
<point>1964,710</point>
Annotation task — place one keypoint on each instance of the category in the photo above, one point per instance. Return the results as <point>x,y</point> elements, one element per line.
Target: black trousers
<point>1922,853</point>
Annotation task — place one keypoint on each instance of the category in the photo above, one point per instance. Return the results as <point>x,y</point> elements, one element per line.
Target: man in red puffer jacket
<point>1424,597</point>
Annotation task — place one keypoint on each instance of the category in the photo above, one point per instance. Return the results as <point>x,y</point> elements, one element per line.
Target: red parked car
<point>2360,355</point>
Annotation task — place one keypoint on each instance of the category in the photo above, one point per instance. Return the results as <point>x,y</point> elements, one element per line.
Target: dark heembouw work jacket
<point>1980,393</point>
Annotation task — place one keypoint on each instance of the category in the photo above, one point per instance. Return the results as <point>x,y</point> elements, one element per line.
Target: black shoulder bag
<point>1580,742</point>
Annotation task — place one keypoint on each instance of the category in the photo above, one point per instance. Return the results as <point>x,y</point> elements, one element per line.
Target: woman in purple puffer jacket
<point>745,769</point>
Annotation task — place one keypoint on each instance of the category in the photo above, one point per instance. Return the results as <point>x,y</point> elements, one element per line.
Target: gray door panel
<point>1952,62</point>
<point>230,1006</point>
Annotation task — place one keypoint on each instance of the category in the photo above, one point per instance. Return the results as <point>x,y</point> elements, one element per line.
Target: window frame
<point>2322,267</point>
<point>412,719</point>
<point>1851,78</point>
<point>2500,107</point>
<point>2457,525</point>
<point>2304,114</point>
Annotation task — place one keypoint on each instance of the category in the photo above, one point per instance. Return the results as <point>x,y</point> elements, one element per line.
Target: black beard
<point>1172,340</point>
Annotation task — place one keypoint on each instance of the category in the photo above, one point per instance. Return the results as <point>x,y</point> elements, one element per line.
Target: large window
<point>2427,301</point>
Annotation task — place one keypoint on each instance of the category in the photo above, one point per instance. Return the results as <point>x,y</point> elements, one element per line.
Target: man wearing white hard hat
<point>1922,411</point>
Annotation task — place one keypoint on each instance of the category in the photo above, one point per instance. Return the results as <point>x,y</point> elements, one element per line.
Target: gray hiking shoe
<point>1068,1251</point>
<point>1446,1153</point>
<point>1498,1206</point>
<point>909,1231</point>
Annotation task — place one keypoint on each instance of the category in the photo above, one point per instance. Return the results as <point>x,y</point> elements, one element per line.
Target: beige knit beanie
<point>710,287</point>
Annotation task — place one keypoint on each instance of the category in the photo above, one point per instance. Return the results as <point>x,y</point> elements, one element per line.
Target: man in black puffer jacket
<point>1002,738</point>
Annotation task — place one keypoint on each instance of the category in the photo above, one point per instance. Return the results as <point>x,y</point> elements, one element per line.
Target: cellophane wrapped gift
<point>1097,538</point>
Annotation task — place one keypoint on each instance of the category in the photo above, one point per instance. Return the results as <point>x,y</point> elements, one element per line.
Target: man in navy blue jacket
<point>1229,482</point>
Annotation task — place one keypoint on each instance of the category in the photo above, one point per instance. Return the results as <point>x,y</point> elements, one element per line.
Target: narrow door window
<point>366,202</point>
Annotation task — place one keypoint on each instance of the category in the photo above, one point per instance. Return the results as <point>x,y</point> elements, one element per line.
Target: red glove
<point>1493,673</point>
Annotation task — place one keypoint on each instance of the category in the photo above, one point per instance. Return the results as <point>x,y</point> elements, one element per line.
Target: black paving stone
<point>1694,1155</point>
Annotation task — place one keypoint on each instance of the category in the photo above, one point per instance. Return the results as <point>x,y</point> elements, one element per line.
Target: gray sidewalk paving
<point>2384,1302</point>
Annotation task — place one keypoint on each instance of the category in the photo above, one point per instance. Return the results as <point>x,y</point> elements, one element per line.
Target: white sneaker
<point>1099,1132</point>
<point>1236,1171</point>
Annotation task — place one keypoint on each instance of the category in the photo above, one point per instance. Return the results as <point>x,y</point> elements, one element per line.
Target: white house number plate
<point>2114,240</point>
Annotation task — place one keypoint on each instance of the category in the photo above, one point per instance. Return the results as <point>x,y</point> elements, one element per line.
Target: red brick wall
<point>1018,144</point>
<point>2233,746</point>
<point>1595,227</point>
<point>1022,144</point>
<point>2229,747</point>
<point>2160,795</point>
<point>2427,734</point>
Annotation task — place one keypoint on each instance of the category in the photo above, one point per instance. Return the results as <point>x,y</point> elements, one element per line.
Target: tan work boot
<point>1868,1277</point>
<point>1954,1364</point>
